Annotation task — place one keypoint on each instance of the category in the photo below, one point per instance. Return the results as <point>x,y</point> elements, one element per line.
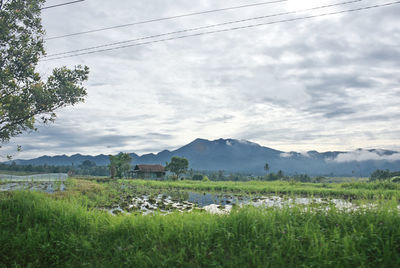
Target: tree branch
<point>30,115</point>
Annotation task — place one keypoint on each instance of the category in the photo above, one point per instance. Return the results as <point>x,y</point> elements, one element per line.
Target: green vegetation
<point>82,169</point>
<point>395,179</point>
<point>24,96</point>
<point>119,165</point>
<point>383,175</point>
<point>205,179</point>
<point>89,168</point>
<point>360,190</point>
<point>38,231</point>
<point>178,166</point>
<point>266,167</point>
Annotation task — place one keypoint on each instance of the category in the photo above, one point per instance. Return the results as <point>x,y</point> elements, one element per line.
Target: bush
<point>197,177</point>
<point>205,178</point>
<point>395,179</point>
<point>380,175</point>
<point>272,177</point>
<point>172,178</point>
<point>302,178</point>
<point>319,179</point>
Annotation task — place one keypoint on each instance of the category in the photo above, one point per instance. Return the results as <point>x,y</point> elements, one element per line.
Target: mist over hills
<point>233,155</point>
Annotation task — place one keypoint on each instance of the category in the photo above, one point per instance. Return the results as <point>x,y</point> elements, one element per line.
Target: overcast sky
<point>327,83</point>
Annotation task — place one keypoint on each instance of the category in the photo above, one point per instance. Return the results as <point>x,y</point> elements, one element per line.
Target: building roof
<point>149,168</point>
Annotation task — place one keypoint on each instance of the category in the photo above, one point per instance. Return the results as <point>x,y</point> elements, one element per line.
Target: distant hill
<point>244,156</point>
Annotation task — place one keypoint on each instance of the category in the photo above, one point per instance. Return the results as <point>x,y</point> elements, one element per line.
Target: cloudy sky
<point>326,83</point>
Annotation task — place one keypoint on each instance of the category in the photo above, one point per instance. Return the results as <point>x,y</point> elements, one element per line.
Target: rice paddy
<point>201,224</point>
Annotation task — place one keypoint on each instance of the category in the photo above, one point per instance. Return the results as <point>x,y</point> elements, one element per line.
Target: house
<point>148,172</point>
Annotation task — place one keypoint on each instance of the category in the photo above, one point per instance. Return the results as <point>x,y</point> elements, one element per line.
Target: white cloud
<point>322,84</point>
<point>364,155</point>
<point>286,155</point>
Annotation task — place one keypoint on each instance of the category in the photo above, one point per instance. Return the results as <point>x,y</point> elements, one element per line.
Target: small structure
<point>148,172</point>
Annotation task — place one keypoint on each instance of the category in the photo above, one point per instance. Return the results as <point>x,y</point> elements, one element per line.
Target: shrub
<point>205,178</point>
<point>197,177</point>
<point>395,179</point>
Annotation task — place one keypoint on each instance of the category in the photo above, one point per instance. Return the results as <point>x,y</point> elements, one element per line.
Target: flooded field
<point>48,187</point>
<point>210,219</point>
<point>214,203</point>
<point>130,200</point>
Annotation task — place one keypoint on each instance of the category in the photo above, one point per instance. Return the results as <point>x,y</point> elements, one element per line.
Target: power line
<point>166,18</point>
<point>63,4</point>
<point>201,28</point>
<point>230,29</point>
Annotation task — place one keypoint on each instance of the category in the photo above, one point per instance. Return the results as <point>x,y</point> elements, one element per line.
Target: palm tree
<point>266,167</point>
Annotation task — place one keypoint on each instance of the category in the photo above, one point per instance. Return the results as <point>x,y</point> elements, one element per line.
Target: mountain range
<point>244,156</point>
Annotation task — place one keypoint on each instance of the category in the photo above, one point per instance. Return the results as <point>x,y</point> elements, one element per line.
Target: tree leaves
<point>23,93</point>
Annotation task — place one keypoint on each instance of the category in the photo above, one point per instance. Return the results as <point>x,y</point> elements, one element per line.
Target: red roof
<point>149,168</point>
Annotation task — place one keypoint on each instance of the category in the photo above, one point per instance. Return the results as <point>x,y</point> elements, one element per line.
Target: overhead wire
<point>166,18</point>
<point>201,28</point>
<point>230,29</point>
<point>62,4</point>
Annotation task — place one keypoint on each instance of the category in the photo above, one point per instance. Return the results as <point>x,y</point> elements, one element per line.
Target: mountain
<point>244,156</point>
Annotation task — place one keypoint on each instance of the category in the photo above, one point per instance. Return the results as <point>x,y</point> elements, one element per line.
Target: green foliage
<point>359,190</point>
<point>87,164</point>
<point>92,170</point>
<point>197,177</point>
<point>37,231</point>
<point>319,179</point>
<point>302,178</point>
<point>24,95</point>
<point>275,176</point>
<point>380,175</point>
<point>266,167</point>
<point>178,166</point>
<point>119,165</point>
<point>205,179</point>
<point>271,177</point>
<point>395,179</point>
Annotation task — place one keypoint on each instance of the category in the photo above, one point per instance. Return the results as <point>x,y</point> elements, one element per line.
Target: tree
<point>87,164</point>
<point>266,167</point>
<point>119,165</point>
<point>178,165</point>
<point>381,175</point>
<point>86,167</point>
<point>25,97</point>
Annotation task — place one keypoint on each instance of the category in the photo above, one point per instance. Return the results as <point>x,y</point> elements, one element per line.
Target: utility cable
<point>200,28</point>
<point>63,4</point>
<point>166,18</point>
<point>230,29</point>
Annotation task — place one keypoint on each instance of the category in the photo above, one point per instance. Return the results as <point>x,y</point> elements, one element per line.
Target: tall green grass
<point>361,190</point>
<point>38,231</point>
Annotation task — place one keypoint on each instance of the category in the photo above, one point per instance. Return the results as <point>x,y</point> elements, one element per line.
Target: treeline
<point>385,175</point>
<point>222,176</point>
<point>89,168</point>
<point>86,168</point>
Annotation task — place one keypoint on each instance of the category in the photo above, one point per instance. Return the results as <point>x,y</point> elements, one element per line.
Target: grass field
<point>66,229</point>
<point>360,190</point>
